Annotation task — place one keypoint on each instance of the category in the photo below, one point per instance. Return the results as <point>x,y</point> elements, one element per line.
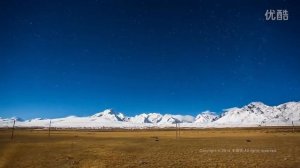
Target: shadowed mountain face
<point>253,114</point>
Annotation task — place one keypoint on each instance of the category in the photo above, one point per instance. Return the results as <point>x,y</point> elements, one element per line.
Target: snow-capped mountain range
<point>252,115</point>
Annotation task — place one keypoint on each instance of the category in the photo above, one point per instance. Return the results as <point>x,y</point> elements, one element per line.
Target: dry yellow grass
<point>151,148</point>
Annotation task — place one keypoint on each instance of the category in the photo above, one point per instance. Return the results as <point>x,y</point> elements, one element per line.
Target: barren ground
<point>259,147</point>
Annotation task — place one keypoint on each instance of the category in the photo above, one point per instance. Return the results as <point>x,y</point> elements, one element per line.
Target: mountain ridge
<point>252,114</point>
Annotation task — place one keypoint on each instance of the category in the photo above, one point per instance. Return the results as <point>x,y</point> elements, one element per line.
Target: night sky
<point>70,57</point>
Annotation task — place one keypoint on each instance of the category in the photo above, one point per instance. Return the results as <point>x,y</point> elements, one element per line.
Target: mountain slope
<point>259,114</point>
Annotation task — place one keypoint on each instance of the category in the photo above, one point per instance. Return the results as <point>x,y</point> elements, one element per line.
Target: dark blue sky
<point>64,57</point>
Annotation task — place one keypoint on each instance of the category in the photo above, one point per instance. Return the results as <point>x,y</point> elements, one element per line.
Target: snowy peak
<point>110,115</point>
<point>206,117</point>
<point>259,113</point>
<point>257,104</point>
<point>290,106</point>
<point>142,118</point>
<point>169,119</point>
<point>156,118</point>
<point>147,118</point>
<point>257,107</point>
<point>105,112</point>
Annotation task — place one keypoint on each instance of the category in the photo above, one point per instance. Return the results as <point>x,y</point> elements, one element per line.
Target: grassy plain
<point>251,147</point>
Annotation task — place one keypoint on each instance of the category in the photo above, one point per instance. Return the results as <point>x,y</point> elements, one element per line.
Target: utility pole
<point>176,130</point>
<point>293,126</point>
<point>179,129</point>
<point>49,129</point>
<point>13,130</point>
